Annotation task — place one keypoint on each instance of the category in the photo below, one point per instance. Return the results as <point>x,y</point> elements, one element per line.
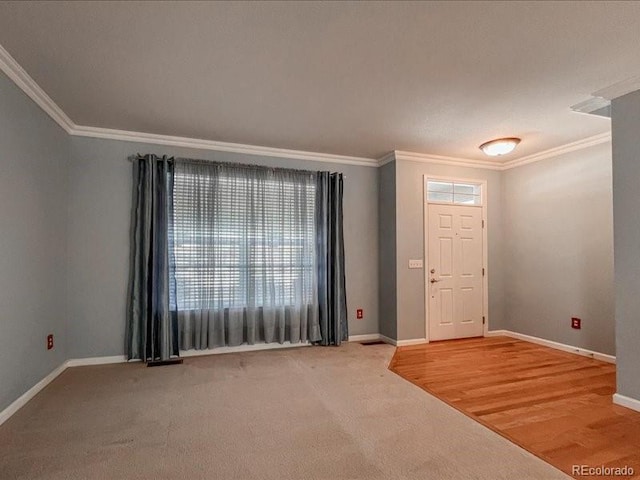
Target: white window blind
<point>242,237</point>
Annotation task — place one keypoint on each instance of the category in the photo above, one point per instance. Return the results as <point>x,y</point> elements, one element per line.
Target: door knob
<point>433,280</point>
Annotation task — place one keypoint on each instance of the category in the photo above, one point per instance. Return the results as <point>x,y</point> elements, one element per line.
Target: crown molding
<point>389,157</point>
<point>557,151</point>
<point>128,136</point>
<point>439,159</point>
<point>22,79</point>
<point>591,105</point>
<point>488,165</point>
<point>28,85</point>
<point>619,89</point>
<point>25,82</point>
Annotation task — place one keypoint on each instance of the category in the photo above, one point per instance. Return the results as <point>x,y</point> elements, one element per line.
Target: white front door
<point>455,272</point>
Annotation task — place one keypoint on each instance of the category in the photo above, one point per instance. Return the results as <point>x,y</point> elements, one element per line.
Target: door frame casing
<point>485,246</point>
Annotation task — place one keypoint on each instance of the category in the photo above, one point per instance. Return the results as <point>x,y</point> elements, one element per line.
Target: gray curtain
<point>151,332</point>
<point>332,297</point>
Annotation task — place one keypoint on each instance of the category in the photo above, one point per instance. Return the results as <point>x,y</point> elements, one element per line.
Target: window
<point>242,238</point>
<point>454,192</point>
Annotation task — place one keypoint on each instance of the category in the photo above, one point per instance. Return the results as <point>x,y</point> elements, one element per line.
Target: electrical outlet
<point>50,341</point>
<point>576,323</point>
<point>359,314</point>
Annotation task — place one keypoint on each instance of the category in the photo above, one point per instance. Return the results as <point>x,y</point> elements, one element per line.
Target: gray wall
<point>64,244</point>
<point>98,229</point>
<point>33,156</point>
<point>410,242</point>
<point>626,214</point>
<point>387,251</point>
<point>558,249</point>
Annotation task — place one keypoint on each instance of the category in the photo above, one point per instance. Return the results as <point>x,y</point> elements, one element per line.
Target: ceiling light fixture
<point>499,146</point>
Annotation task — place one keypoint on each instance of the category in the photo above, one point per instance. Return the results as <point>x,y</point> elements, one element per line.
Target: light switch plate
<point>415,263</point>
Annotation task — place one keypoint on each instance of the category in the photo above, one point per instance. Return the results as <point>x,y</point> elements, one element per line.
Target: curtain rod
<point>132,158</point>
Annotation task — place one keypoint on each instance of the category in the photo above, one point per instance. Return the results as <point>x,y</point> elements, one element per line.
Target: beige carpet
<point>305,413</point>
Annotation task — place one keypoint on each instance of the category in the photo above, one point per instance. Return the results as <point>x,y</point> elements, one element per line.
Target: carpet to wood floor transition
<point>554,404</point>
<point>311,413</point>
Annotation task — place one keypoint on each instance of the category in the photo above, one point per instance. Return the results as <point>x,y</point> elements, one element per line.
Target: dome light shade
<point>500,146</point>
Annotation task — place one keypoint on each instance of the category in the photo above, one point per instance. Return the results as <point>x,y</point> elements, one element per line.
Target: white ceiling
<point>357,79</point>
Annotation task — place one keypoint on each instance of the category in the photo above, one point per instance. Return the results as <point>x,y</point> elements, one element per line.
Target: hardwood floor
<point>554,404</point>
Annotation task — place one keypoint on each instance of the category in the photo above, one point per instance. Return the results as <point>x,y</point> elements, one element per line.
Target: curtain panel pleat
<point>152,330</point>
<point>211,328</point>
<point>226,254</point>
<point>332,297</point>
<point>244,247</point>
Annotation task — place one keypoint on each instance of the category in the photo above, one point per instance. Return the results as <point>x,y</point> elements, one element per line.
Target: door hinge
<point>482,223</point>
<point>483,271</point>
<point>483,320</point>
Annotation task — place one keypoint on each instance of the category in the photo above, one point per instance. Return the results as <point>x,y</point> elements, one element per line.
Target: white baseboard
<point>627,402</point>
<point>241,348</point>
<point>29,394</point>
<point>496,333</point>
<point>77,362</point>
<point>402,343</point>
<point>82,362</point>
<point>372,337</point>
<point>388,340</point>
<point>33,391</point>
<point>603,357</point>
<point>412,341</point>
<point>369,337</point>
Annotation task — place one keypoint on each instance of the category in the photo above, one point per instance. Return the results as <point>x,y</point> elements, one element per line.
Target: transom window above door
<point>457,193</point>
